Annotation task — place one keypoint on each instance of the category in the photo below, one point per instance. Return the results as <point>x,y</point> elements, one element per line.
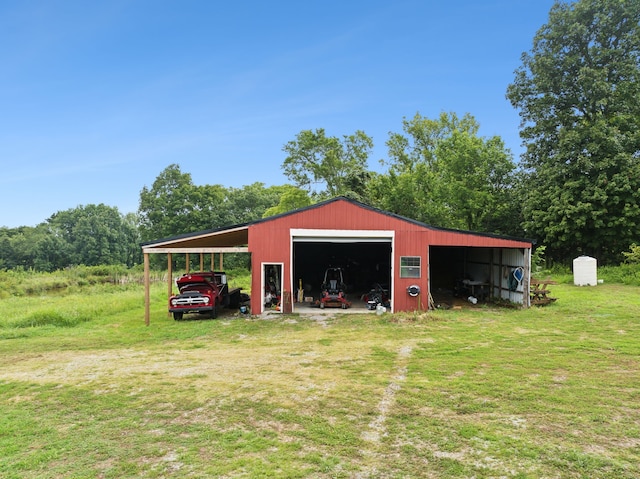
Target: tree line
<point>576,189</point>
<point>93,235</point>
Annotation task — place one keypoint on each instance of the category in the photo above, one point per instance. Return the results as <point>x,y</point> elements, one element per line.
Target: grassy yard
<point>87,391</point>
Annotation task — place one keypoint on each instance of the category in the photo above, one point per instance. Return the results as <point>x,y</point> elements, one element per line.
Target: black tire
<point>177,316</point>
<point>234,300</point>
<point>214,312</point>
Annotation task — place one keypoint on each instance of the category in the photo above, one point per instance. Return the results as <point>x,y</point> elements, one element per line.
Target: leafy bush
<point>632,256</point>
<point>538,261</point>
<point>625,274</point>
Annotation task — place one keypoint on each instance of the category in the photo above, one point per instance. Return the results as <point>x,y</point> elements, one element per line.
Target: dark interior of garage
<point>458,272</point>
<point>364,265</point>
<point>447,266</point>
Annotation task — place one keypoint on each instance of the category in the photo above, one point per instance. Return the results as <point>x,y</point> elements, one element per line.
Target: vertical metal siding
<point>505,261</point>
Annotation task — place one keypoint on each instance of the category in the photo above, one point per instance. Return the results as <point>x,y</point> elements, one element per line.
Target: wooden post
<point>526,282</point>
<point>213,266</point>
<point>147,299</point>
<point>201,261</point>
<point>285,302</point>
<point>221,265</point>
<point>188,261</point>
<point>169,278</point>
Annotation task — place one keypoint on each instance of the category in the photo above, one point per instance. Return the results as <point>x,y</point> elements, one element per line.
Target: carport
<point>217,241</point>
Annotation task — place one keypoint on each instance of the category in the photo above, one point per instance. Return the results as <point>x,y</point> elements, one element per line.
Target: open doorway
<point>272,287</point>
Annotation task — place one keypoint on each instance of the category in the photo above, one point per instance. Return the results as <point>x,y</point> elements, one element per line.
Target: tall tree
<point>173,205</point>
<point>32,248</point>
<point>578,95</point>
<point>443,173</point>
<point>90,235</point>
<point>328,166</point>
<point>291,198</point>
<point>250,202</point>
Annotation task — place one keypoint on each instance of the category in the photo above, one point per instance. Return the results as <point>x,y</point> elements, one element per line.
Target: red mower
<point>333,290</point>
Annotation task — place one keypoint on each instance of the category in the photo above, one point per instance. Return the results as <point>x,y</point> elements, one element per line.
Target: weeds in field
<point>87,390</point>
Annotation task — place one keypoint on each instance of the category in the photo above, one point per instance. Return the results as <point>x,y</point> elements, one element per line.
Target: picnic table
<point>539,293</point>
<point>472,284</point>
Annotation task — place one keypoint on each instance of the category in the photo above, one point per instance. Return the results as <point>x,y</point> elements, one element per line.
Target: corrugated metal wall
<point>496,266</point>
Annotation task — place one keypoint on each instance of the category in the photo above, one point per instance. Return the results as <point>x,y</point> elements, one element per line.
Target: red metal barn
<point>412,261</point>
<point>374,246</point>
<point>416,265</point>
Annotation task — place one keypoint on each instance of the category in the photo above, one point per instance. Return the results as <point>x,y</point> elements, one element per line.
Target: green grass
<point>87,390</point>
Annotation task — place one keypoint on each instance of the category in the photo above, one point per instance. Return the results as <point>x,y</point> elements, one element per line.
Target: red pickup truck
<point>203,292</point>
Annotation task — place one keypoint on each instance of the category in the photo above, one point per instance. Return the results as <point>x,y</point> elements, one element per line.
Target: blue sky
<point>97,98</point>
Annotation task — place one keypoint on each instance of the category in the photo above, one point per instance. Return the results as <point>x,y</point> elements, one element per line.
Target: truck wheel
<point>214,312</point>
<point>321,305</point>
<point>177,316</point>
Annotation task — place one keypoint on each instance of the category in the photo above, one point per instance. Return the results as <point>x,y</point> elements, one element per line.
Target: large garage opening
<point>365,264</point>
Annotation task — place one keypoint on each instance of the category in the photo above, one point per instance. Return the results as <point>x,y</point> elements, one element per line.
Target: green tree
<point>90,235</point>
<point>327,166</point>
<point>29,248</point>
<point>166,208</point>
<point>250,202</point>
<point>441,172</point>
<point>208,208</point>
<point>50,250</point>
<point>6,251</point>
<point>174,205</point>
<point>578,96</point>
<point>291,198</point>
